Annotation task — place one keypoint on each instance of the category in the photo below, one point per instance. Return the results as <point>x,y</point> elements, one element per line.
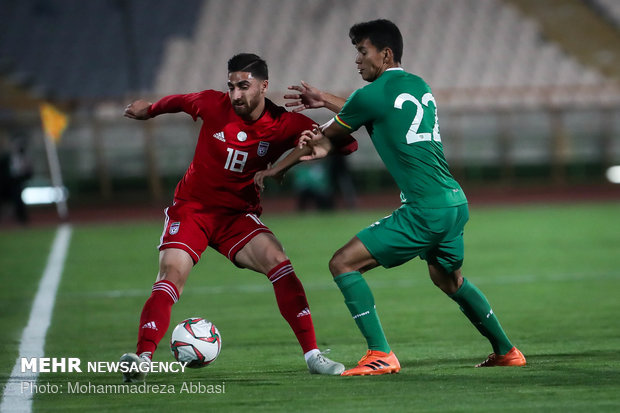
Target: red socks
<point>293,304</point>
<point>290,295</point>
<point>155,317</point>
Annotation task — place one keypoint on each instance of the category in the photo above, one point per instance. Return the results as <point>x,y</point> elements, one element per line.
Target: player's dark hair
<point>381,33</point>
<point>249,62</point>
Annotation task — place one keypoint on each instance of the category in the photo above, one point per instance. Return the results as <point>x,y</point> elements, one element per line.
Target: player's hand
<point>138,110</point>
<point>308,97</point>
<point>270,172</point>
<point>321,146</point>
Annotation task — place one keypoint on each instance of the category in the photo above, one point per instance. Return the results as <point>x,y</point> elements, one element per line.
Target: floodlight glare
<point>44,195</point>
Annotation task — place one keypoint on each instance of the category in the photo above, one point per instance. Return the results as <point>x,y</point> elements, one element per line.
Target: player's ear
<point>388,55</point>
<point>264,85</point>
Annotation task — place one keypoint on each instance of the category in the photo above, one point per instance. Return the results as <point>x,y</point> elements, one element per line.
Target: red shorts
<point>190,228</point>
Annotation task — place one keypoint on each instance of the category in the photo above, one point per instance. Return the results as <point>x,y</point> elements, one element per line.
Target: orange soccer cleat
<point>374,363</point>
<point>513,358</point>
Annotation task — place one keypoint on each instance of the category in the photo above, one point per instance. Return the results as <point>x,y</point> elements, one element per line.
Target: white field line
<point>32,343</point>
<point>374,282</point>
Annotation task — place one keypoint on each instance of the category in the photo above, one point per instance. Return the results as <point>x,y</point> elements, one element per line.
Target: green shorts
<point>433,234</point>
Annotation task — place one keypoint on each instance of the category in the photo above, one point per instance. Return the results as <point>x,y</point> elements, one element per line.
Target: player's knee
<point>338,263</point>
<point>175,274</point>
<point>448,282</point>
<point>278,257</point>
<point>271,259</point>
<point>174,266</point>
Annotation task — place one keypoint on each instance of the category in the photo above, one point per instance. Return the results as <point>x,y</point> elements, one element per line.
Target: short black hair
<point>381,33</point>
<point>249,62</point>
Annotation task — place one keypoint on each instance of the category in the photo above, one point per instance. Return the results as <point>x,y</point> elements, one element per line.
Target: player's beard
<point>246,107</point>
<point>242,111</point>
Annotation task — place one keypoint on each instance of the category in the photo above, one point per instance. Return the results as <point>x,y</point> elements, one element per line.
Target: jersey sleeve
<point>358,110</point>
<point>344,146</point>
<point>177,103</point>
<point>301,123</point>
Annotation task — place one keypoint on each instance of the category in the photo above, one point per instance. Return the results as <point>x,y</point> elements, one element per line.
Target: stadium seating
<point>498,78</point>
<point>457,46</point>
<point>86,49</point>
<point>78,49</point>
<point>609,9</point>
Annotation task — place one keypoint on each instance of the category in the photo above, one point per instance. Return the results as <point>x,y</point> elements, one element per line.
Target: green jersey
<point>400,114</point>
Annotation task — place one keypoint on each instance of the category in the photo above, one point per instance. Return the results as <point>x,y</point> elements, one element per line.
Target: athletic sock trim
<point>281,270</point>
<point>167,287</point>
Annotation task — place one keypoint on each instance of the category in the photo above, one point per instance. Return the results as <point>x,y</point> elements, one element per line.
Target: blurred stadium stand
<point>73,49</point>
<point>528,90</point>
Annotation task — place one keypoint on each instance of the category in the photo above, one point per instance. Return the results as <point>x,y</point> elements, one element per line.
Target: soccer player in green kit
<point>399,111</point>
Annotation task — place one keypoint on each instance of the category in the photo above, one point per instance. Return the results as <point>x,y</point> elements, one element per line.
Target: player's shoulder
<point>209,101</point>
<point>371,94</point>
<point>400,75</point>
<point>364,93</point>
<point>407,78</point>
<point>205,98</point>
<point>211,95</point>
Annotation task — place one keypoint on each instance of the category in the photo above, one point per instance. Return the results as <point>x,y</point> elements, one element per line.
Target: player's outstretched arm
<point>313,144</point>
<point>278,170</point>
<point>138,109</point>
<point>309,97</point>
<point>320,146</point>
<point>326,138</point>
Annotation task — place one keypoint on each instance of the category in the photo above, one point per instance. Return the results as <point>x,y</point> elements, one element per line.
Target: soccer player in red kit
<point>217,203</point>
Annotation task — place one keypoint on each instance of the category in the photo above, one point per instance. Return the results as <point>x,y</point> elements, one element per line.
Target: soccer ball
<point>196,341</point>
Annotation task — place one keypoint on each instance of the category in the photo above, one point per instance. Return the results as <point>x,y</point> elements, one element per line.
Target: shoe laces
<point>321,356</point>
<point>491,358</point>
<point>144,358</point>
<point>146,355</point>
<point>366,356</point>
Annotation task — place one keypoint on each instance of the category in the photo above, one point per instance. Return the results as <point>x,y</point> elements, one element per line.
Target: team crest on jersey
<point>174,228</point>
<point>262,148</point>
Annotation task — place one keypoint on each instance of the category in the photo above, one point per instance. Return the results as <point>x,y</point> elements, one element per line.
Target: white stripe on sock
<point>165,287</point>
<point>286,270</point>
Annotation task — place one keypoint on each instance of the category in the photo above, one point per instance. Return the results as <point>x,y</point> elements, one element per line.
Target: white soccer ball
<point>196,341</point>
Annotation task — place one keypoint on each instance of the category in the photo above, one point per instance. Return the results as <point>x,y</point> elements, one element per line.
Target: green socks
<point>476,307</point>
<point>361,304</point>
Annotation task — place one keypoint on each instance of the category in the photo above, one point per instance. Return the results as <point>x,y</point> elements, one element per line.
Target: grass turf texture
<point>550,272</point>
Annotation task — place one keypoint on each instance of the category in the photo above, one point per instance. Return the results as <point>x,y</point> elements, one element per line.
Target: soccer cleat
<point>133,359</point>
<point>513,358</point>
<point>319,364</point>
<point>374,363</point>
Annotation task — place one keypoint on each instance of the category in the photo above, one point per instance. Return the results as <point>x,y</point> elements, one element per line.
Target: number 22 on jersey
<point>413,136</point>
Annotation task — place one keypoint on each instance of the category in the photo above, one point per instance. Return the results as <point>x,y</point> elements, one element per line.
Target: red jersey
<point>231,150</point>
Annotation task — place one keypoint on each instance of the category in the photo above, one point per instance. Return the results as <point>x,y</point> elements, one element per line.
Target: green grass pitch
<point>551,274</point>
